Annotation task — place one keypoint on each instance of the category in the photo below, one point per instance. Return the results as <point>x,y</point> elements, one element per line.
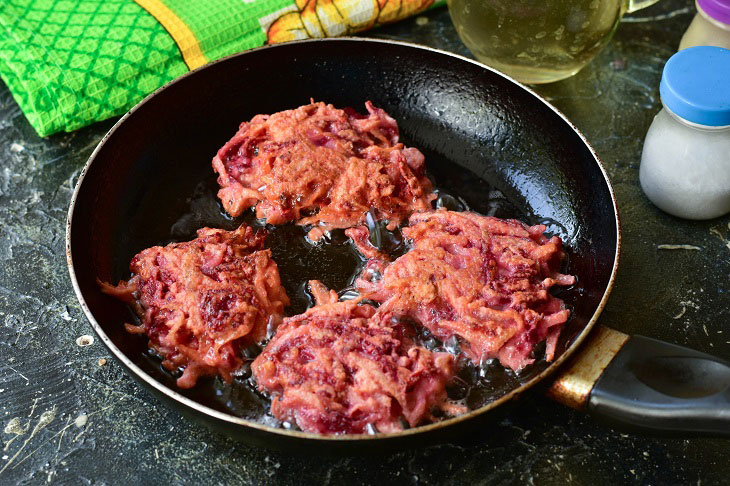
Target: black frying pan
<point>486,138</point>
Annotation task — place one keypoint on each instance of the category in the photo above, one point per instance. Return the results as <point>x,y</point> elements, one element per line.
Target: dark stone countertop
<point>68,420</point>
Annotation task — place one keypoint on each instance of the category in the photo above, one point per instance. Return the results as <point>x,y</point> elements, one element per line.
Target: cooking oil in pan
<point>336,263</point>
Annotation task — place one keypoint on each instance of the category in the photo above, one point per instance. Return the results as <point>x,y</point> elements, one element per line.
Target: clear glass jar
<point>685,164</point>
<point>709,28</point>
<point>538,41</point>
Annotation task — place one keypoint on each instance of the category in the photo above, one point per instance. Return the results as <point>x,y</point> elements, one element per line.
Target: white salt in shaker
<point>710,27</point>
<point>685,165</point>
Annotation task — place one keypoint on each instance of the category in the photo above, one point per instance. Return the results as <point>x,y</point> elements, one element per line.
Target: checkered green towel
<point>69,63</point>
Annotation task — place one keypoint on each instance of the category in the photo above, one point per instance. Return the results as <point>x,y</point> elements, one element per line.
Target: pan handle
<point>646,385</point>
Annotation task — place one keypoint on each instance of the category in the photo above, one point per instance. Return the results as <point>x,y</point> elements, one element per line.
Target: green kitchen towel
<point>69,63</point>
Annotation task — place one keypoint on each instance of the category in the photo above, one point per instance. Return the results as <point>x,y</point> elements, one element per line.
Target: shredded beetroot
<point>322,166</point>
<point>480,279</point>
<point>360,236</point>
<point>202,301</point>
<point>322,295</point>
<point>340,368</point>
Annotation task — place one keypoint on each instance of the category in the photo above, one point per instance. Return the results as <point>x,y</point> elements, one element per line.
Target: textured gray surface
<point>68,420</point>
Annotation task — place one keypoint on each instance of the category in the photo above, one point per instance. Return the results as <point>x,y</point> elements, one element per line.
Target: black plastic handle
<point>653,386</point>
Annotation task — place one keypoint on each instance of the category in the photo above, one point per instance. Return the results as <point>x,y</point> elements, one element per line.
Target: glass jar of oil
<point>538,41</point>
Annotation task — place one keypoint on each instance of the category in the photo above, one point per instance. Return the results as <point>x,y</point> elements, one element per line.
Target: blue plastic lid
<point>696,85</point>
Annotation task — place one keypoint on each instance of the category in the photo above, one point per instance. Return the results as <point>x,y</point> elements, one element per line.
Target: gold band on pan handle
<point>576,380</point>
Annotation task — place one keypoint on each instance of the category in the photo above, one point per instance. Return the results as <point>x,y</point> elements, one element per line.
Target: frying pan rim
<point>239,421</point>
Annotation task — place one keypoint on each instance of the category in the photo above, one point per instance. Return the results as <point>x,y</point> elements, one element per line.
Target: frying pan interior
<point>480,132</point>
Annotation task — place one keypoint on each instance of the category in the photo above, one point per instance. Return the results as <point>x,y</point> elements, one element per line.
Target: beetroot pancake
<point>200,302</point>
<point>340,368</point>
<point>481,280</point>
<point>322,166</point>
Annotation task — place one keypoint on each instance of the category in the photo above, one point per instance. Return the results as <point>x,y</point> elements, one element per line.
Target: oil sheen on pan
<point>432,303</point>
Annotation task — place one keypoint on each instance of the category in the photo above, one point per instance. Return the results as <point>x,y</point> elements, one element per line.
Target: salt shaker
<point>685,165</point>
<point>710,27</point>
